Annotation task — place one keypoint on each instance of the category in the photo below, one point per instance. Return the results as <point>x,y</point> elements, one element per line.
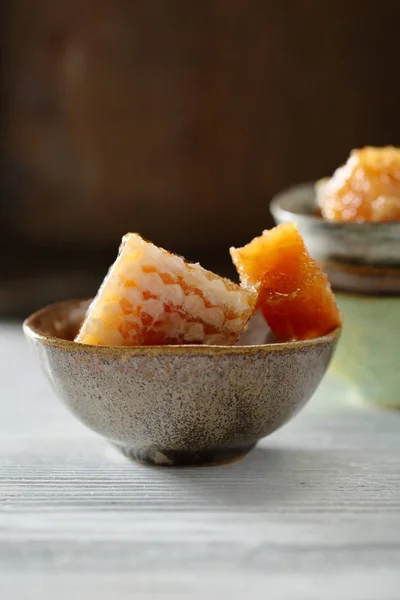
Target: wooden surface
<point>312,514</point>
<point>182,119</point>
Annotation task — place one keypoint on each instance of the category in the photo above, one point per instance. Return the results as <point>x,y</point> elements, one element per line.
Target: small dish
<point>362,261</point>
<point>178,405</point>
<point>360,256</point>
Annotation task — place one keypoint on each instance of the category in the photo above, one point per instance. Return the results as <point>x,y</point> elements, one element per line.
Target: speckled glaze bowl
<point>178,405</point>
<point>362,261</point>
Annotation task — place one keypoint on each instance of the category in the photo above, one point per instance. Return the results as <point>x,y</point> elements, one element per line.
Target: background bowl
<point>362,261</point>
<point>177,405</point>
<point>356,256</point>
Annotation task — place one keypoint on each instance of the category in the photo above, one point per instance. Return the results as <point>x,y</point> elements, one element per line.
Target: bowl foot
<point>185,458</point>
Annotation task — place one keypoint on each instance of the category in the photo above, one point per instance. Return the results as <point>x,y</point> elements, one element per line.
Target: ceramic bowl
<point>177,405</point>
<point>362,261</point>
<point>356,256</point>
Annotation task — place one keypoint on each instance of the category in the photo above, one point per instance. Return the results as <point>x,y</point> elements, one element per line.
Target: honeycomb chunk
<point>295,297</point>
<point>366,188</point>
<point>152,297</point>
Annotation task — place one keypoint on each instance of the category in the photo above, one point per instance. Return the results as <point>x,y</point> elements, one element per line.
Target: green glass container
<point>368,354</point>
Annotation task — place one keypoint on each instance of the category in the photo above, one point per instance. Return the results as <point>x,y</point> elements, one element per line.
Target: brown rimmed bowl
<point>178,405</point>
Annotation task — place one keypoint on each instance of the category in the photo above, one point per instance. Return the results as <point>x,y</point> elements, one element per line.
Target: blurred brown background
<point>175,119</point>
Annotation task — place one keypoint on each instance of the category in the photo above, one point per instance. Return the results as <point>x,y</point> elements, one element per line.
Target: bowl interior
<point>59,323</point>
<point>61,320</point>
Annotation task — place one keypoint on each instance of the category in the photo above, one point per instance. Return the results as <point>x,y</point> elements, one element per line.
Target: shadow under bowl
<point>177,405</point>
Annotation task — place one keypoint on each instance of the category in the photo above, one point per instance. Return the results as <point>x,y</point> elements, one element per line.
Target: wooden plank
<point>313,512</point>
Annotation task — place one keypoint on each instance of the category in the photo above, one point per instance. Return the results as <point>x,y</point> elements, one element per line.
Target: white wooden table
<point>312,514</point>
